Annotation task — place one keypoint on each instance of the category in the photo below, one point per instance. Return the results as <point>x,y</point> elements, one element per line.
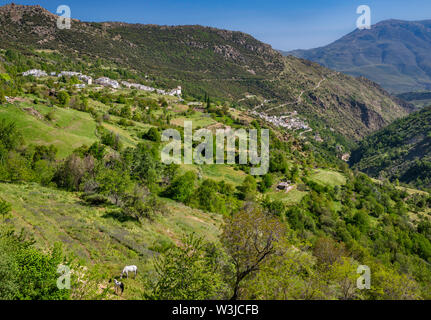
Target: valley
<point>83,184</point>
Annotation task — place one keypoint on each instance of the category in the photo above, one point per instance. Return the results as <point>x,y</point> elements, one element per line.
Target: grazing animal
<point>128,269</point>
<point>118,285</point>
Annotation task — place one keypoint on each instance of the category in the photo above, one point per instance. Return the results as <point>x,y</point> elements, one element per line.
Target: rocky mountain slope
<point>394,53</point>
<point>225,64</point>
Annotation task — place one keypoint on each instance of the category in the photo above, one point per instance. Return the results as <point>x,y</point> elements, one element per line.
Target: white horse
<point>118,286</point>
<point>128,269</point>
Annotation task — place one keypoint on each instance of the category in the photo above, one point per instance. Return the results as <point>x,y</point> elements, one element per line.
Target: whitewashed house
<point>106,82</point>
<point>35,73</point>
<point>176,92</point>
<point>69,74</point>
<point>86,79</point>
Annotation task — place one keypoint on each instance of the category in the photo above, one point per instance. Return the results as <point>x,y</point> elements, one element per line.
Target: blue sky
<point>285,24</point>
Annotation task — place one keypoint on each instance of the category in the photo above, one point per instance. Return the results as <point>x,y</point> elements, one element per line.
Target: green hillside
<point>399,152</point>
<point>83,185</point>
<point>229,66</point>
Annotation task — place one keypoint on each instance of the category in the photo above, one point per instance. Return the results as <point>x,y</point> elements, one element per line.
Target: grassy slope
<point>69,130</point>
<point>95,235</point>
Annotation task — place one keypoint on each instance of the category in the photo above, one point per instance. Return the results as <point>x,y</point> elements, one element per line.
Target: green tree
<point>152,134</point>
<point>114,183</point>
<point>26,272</point>
<point>63,98</point>
<point>248,188</point>
<point>249,238</point>
<point>266,183</point>
<point>182,188</point>
<point>187,272</point>
<point>208,197</point>
<point>5,208</point>
<point>10,137</point>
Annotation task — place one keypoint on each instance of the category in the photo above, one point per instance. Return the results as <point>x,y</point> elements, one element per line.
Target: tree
<point>208,197</point>
<point>248,188</point>
<point>266,183</point>
<point>328,251</point>
<point>5,208</point>
<point>10,138</point>
<point>63,98</point>
<point>288,275</point>
<point>144,164</point>
<point>152,134</point>
<point>112,140</point>
<point>26,272</point>
<point>387,284</point>
<point>114,183</point>
<point>182,188</point>
<point>343,273</point>
<point>187,272</point>
<point>142,204</point>
<point>71,172</point>
<point>44,172</point>
<point>249,237</point>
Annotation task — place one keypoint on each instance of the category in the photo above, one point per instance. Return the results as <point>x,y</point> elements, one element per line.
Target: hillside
<point>80,167</point>
<point>400,151</point>
<point>83,182</point>
<point>227,65</point>
<point>333,101</point>
<point>419,99</point>
<point>393,53</point>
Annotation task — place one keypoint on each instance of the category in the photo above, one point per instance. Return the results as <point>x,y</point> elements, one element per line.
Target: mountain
<point>401,151</point>
<point>224,64</point>
<point>394,53</point>
<point>83,184</point>
<point>418,98</point>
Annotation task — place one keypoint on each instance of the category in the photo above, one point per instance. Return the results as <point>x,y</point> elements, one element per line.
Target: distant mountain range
<point>394,53</point>
<point>224,64</point>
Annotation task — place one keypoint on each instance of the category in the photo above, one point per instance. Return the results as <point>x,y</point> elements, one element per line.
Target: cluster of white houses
<point>103,81</point>
<point>291,121</point>
<point>174,92</point>
<point>35,73</point>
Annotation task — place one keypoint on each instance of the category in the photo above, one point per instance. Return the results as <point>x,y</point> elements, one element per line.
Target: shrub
<point>152,134</point>
<point>95,199</point>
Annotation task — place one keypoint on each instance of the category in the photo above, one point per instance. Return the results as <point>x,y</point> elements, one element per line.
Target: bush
<point>152,134</point>
<point>95,199</point>
<point>112,140</point>
<point>27,273</point>
<point>182,188</point>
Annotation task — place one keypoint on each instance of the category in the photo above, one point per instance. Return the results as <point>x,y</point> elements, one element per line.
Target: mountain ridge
<point>204,60</point>
<point>393,53</point>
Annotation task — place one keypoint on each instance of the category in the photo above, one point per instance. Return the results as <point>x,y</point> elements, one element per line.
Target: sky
<point>284,24</point>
